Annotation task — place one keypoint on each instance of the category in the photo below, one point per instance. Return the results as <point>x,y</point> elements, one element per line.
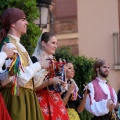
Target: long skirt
<point>23,106</point>
<point>73,115</point>
<point>52,105</point>
<point>4,115</point>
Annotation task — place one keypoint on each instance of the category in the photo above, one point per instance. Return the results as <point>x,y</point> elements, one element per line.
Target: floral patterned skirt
<point>73,115</point>
<point>52,105</point>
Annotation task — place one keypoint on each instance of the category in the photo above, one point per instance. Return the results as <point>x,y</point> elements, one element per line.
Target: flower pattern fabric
<point>52,105</point>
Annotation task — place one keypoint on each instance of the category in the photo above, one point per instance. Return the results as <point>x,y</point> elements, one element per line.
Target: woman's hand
<point>44,63</point>
<point>86,89</point>
<point>56,80</point>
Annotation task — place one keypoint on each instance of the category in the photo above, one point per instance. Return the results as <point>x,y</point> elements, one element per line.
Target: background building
<point>97,22</point>
<point>65,24</point>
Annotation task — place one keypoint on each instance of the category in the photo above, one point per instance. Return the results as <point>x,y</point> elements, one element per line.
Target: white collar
<point>16,38</point>
<point>102,81</point>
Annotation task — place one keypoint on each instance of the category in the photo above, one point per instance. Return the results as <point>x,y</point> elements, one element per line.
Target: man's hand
<point>110,105</point>
<point>8,51</point>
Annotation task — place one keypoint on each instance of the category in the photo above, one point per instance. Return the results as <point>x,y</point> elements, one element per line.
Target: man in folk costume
<point>102,98</point>
<point>25,105</point>
<point>7,53</point>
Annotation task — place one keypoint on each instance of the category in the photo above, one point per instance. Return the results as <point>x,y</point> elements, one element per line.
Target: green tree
<point>64,53</point>
<point>29,40</point>
<point>83,75</point>
<point>83,71</point>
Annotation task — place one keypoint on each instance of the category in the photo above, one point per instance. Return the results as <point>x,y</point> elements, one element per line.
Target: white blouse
<point>3,56</point>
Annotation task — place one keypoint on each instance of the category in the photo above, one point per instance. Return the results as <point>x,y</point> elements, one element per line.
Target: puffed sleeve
<point>39,76</point>
<point>3,56</point>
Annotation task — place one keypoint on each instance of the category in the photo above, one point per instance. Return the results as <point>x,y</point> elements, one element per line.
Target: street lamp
<point>43,7</point>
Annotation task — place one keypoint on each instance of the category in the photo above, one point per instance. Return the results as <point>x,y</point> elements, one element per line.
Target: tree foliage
<point>83,75</point>
<point>83,71</point>
<point>64,53</point>
<point>29,40</point>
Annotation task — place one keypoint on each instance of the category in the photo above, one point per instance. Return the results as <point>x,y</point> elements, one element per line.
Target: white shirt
<point>30,70</point>
<point>99,108</point>
<point>3,56</point>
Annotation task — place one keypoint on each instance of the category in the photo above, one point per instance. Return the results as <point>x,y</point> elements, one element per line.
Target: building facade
<point>65,24</point>
<point>90,28</point>
<point>98,22</point>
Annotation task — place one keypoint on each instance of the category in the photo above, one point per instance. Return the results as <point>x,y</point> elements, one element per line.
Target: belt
<point>28,85</point>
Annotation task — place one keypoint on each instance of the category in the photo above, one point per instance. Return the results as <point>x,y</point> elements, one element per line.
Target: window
<point>116,43</point>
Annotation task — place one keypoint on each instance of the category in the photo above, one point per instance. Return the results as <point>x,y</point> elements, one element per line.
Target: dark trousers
<point>104,117</point>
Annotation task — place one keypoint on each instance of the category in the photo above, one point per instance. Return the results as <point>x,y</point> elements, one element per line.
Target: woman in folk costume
<point>24,105</point>
<point>71,98</point>
<point>7,53</point>
<point>49,98</point>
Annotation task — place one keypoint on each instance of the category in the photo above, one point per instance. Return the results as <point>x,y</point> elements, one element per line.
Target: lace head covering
<point>38,48</point>
<point>44,37</point>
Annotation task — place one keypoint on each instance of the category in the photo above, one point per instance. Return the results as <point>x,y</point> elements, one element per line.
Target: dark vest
<point>4,40</point>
